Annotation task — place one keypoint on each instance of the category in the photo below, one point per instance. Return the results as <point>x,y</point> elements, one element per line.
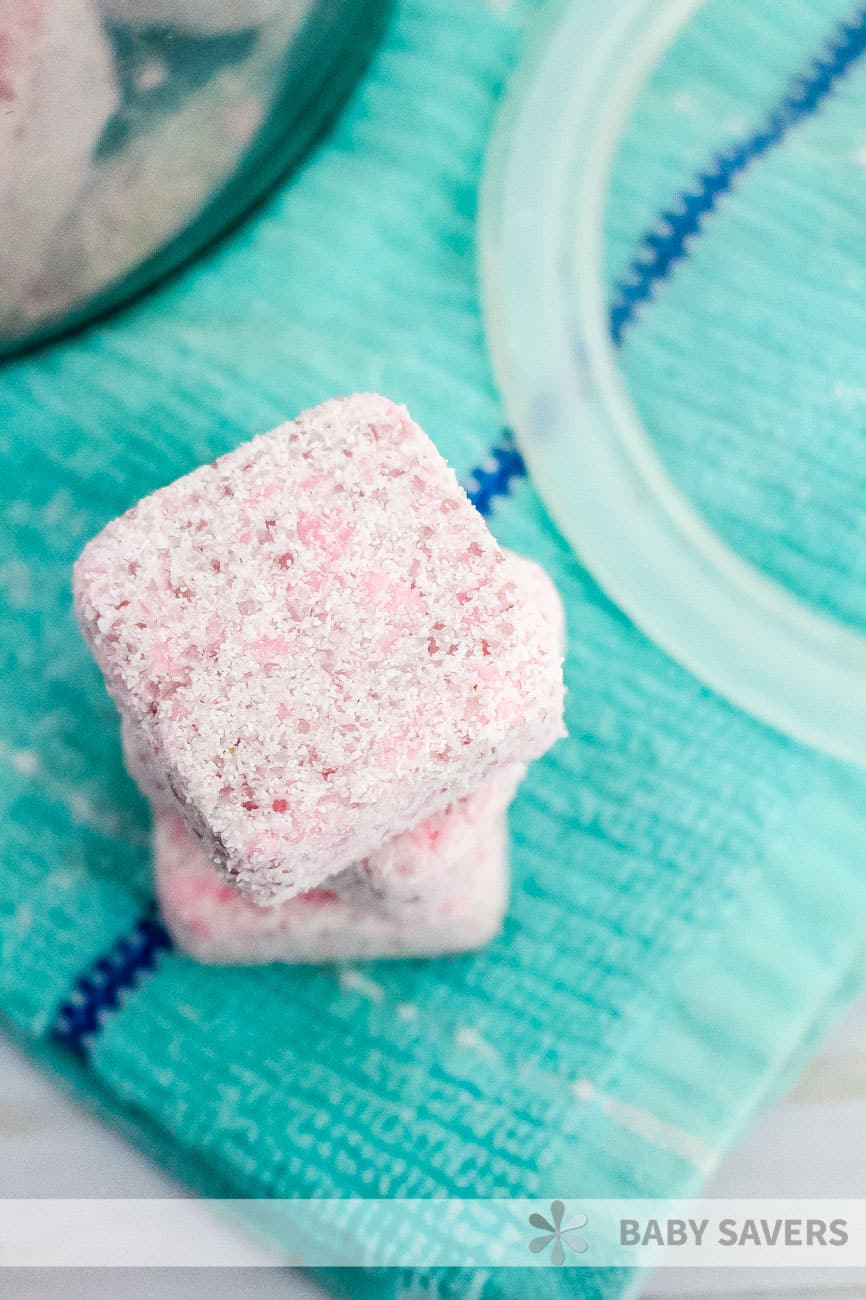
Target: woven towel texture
<point>747,363</point>
<point>689,893</point>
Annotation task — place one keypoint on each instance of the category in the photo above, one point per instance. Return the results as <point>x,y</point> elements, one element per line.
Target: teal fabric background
<point>689,897</point>
<point>750,357</point>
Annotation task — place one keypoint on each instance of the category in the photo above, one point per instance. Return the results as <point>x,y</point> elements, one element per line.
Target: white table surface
<point>813,1144</point>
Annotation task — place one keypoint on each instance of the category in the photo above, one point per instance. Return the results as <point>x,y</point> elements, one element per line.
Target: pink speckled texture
<point>412,868</point>
<point>540,592</point>
<point>457,834</point>
<point>146,769</point>
<point>422,863</point>
<point>428,863</point>
<point>415,868</point>
<point>321,640</point>
<point>212,922</point>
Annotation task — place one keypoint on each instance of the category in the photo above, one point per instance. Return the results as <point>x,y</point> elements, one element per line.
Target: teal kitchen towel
<point>689,886</point>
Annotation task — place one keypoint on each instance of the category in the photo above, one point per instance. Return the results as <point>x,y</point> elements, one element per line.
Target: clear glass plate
<point>134,132</point>
<point>594,463</point>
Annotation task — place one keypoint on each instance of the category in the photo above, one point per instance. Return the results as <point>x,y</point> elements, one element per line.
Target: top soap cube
<point>321,641</point>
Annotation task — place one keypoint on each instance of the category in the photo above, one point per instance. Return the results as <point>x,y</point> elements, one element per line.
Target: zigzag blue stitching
<point>661,248</point>
<point>99,988</point>
<point>494,478</point>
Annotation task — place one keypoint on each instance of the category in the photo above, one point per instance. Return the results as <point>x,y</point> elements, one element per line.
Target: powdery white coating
<point>211,922</point>
<point>415,870</point>
<point>321,640</point>
<point>444,842</point>
<point>57,91</point>
<point>203,15</point>
<point>412,868</point>
<point>423,862</point>
<point>541,592</point>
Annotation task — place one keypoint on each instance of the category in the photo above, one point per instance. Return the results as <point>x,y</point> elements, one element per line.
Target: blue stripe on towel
<point>668,242</point>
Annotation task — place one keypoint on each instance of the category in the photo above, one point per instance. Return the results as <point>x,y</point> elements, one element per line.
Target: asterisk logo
<point>554,1232</point>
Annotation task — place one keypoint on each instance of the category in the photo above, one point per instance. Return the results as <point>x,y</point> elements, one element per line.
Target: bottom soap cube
<point>340,921</point>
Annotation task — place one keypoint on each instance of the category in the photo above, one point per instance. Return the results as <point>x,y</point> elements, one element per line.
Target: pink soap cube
<point>542,594</point>
<point>414,867</point>
<point>212,922</point>
<point>320,641</point>
<point>401,877</point>
<point>147,771</point>
<point>428,864</point>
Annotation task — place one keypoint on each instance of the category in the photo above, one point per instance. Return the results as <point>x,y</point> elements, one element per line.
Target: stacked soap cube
<point>330,678</point>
